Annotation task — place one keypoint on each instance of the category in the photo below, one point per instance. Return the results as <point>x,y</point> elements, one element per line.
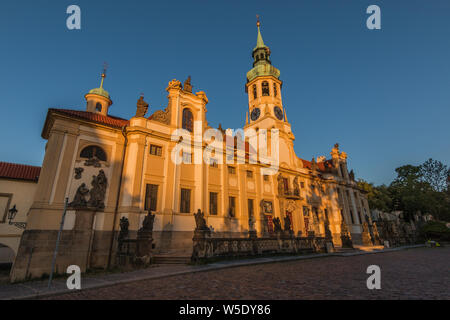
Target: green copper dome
<point>101,92</point>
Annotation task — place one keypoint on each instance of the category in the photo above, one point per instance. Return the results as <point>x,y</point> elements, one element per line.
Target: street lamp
<point>12,214</point>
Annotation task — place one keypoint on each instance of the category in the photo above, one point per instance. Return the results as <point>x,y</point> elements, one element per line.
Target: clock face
<point>255,114</point>
<point>278,112</point>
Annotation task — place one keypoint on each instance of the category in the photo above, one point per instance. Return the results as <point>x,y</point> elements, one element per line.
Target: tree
<point>378,197</point>
<point>435,173</point>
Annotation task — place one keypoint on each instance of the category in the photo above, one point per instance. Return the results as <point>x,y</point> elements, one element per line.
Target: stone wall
<point>207,247</point>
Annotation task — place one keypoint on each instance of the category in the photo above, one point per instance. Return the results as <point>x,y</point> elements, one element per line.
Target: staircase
<point>171,258</point>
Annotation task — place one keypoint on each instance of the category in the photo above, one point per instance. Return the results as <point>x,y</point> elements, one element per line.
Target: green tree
<point>436,174</point>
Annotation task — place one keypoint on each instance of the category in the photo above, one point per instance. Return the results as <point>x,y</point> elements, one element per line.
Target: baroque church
<point>109,168</point>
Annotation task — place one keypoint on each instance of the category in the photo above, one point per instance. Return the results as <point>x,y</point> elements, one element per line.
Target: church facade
<point>109,168</point>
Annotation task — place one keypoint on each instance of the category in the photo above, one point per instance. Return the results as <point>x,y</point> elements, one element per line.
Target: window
<point>151,197</point>
<point>188,120</point>
<point>249,174</point>
<point>265,88</point>
<point>98,107</point>
<point>305,211</point>
<point>213,163</point>
<point>286,185</point>
<point>231,170</point>
<point>250,208</point>
<point>232,206</point>
<point>302,184</point>
<point>275,92</point>
<point>187,157</point>
<point>93,152</point>
<point>326,214</point>
<point>185,204</point>
<point>213,203</point>
<point>266,177</point>
<point>155,150</point>
<point>255,94</point>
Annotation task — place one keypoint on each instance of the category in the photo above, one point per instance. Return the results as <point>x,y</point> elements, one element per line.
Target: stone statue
<point>200,221</point>
<point>351,175</point>
<point>276,225</point>
<point>280,184</point>
<point>78,172</point>
<point>296,186</point>
<point>97,194</point>
<point>162,116</point>
<point>124,224</point>
<point>80,197</point>
<point>141,108</point>
<point>313,164</point>
<point>93,161</point>
<point>187,85</point>
<point>287,223</point>
<point>147,224</point>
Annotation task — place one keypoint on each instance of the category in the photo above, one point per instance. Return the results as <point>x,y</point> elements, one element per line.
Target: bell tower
<point>263,86</point>
<point>98,99</point>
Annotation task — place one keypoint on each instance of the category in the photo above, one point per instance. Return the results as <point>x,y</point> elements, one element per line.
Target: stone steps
<point>171,259</point>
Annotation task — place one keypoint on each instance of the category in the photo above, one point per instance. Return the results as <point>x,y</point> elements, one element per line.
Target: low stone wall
<point>206,247</point>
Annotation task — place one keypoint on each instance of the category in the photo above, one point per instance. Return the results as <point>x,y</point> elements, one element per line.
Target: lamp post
<point>12,214</point>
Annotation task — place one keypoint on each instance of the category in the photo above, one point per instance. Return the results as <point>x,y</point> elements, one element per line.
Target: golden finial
<point>257,21</point>
<point>105,67</point>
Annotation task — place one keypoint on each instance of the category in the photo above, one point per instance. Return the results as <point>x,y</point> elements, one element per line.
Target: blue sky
<point>384,95</point>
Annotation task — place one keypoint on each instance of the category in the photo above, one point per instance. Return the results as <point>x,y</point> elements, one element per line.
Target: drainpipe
<point>118,195</point>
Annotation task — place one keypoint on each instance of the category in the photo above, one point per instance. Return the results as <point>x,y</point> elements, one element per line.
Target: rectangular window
<point>266,177</point>
<point>151,197</point>
<point>213,203</point>
<point>305,211</point>
<point>155,150</point>
<point>250,208</point>
<point>286,185</point>
<point>5,202</point>
<point>302,184</point>
<point>232,206</point>
<point>249,174</point>
<point>231,170</point>
<point>185,204</point>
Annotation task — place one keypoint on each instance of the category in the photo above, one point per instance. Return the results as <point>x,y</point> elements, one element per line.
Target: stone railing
<point>206,246</point>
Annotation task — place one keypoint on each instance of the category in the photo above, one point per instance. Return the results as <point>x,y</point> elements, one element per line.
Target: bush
<point>435,230</point>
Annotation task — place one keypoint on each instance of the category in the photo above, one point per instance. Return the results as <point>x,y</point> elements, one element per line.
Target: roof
<point>322,166</point>
<point>110,121</point>
<point>19,171</point>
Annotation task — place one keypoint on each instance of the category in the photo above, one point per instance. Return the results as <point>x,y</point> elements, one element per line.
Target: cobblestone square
<point>409,274</point>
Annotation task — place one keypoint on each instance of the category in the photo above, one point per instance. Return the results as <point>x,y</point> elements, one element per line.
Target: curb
<point>210,267</point>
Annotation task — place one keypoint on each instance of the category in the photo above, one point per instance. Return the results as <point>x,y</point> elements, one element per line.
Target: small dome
<point>101,92</point>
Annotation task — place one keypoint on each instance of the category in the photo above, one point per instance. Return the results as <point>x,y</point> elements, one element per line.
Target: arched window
<point>188,120</point>
<point>98,107</point>
<point>265,88</point>
<point>275,92</point>
<point>255,94</point>
<point>93,152</point>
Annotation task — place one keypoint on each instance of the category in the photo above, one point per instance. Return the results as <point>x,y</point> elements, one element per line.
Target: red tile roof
<point>110,121</point>
<point>322,166</point>
<point>19,171</point>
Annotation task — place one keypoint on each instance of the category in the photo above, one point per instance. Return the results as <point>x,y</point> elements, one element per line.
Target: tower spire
<point>259,39</point>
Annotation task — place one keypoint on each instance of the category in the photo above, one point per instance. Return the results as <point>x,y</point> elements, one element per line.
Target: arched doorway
<point>6,260</point>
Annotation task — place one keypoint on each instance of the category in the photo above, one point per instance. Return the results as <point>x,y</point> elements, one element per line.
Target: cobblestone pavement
<point>409,274</point>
